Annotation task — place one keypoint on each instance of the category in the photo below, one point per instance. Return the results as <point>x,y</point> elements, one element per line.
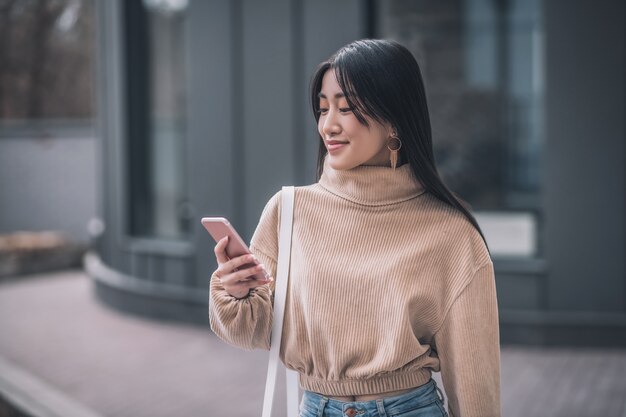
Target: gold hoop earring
<point>394,151</point>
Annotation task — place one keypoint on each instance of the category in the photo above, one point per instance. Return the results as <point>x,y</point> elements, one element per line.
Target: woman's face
<point>364,145</point>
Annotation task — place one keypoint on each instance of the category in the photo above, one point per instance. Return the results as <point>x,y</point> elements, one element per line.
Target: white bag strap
<point>282,277</point>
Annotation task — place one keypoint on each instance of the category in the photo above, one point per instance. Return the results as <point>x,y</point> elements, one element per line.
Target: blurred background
<point>123,122</point>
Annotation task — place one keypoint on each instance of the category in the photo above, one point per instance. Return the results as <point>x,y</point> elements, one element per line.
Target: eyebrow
<point>338,95</point>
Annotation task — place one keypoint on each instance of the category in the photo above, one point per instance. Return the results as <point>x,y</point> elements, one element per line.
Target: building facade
<point>204,111</point>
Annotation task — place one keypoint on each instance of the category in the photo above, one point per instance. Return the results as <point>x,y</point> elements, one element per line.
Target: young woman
<point>391,278</point>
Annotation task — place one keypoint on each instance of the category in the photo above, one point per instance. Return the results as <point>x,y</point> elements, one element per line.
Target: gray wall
<point>47,184</point>
<point>250,131</point>
<point>250,124</point>
<point>585,177</point>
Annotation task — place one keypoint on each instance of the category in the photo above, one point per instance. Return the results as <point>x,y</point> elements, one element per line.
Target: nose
<point>330,124</point>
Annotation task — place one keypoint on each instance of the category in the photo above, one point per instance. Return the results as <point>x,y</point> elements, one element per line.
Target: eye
<point>342,110</point>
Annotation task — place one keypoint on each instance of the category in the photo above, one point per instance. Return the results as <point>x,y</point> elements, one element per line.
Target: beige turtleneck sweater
<point>387,284</point>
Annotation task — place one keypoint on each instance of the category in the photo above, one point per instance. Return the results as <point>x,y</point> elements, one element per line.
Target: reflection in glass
<point>46,59</point>
<point>481,62</point>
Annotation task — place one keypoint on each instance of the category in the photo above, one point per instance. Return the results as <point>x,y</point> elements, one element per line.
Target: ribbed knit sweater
<point>387,284</point>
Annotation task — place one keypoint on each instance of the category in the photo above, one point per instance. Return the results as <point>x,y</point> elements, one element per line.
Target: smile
<point>335,146</point>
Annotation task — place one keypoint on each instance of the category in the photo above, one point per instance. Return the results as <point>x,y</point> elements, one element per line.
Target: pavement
<point>63,353</point>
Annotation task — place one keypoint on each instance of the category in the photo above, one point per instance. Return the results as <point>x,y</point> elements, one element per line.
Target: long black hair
<point>381,79</point>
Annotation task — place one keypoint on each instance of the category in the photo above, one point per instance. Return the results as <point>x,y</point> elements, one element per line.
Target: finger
<point>235,264</point>
<point>255,278</point>
<point>239,261</point>
<point>254,283</point>
<point>251,282</point>
<point>248,273</point>
<point>220,251</point>
<point>245,274</point>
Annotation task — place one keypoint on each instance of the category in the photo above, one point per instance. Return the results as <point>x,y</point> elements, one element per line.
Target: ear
<point>388,129</point>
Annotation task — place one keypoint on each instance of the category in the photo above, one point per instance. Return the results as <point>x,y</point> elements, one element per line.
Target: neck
<point>371,185</point>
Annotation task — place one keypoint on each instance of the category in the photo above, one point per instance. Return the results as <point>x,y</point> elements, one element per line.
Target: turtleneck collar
<point>371,185</point>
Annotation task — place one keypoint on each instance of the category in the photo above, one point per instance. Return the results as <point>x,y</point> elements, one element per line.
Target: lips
<point>334,145</point>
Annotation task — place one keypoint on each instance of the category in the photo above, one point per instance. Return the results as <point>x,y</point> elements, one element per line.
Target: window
<point>157,101</point>
<point>46,65</point>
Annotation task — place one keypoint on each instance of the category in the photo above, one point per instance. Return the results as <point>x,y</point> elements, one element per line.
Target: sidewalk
<point>112,364</point>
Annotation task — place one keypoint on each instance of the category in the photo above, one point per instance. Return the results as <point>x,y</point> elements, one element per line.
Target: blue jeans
<point>423,401</point>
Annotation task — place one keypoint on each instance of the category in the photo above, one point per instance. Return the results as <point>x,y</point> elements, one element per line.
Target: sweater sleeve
<point>468,345</point>
<point>247,322</point>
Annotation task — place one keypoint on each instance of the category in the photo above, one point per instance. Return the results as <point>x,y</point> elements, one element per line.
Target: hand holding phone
<point>238,269</point>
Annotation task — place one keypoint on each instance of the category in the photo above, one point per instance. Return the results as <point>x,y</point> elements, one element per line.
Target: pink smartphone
<point>218,227</point>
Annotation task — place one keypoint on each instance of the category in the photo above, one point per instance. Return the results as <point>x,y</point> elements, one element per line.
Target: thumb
<point>220,250</point>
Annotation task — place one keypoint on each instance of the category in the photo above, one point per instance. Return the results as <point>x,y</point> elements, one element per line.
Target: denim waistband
<point>420,396</point>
